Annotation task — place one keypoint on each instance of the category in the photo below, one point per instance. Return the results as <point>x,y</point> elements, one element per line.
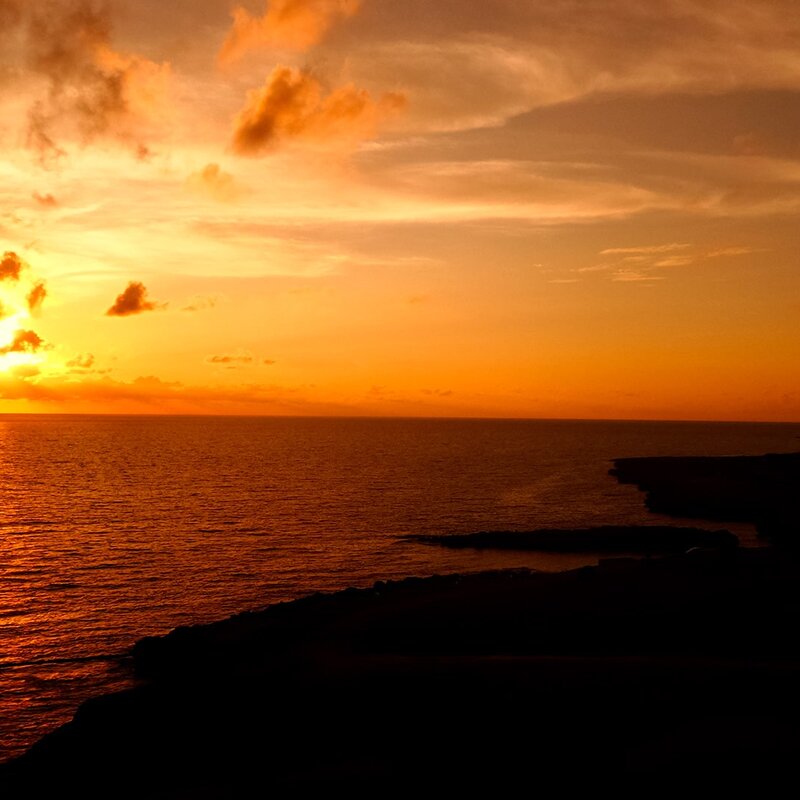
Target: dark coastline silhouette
<point>764,489</point>
<point>646,675</point>
<point>602,539</point>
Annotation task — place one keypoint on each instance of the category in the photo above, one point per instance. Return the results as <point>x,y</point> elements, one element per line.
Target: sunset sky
<point>571,208</point>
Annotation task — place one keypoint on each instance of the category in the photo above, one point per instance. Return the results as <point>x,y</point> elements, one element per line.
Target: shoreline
<point>643,672</point>
<point>601,644</point>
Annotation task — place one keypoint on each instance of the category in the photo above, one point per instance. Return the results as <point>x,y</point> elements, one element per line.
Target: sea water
<point>113,528</point>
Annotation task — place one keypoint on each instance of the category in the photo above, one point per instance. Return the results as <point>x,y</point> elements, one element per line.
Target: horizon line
<point>399,417</point>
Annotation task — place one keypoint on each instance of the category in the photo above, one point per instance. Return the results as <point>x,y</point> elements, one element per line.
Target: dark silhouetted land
<point>760,489</point>
<point>657,676</point>
<point>646,539</point>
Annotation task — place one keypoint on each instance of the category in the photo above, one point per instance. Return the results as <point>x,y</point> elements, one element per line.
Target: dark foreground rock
<point>650,677</point>
<point>646,539</point>
<point>760,489</point>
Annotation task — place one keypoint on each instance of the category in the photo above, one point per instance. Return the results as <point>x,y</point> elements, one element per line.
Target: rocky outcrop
<point>640,539</point>
<point>764,490</point>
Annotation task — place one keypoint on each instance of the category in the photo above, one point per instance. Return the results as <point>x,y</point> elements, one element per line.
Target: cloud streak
<point>644,262</point>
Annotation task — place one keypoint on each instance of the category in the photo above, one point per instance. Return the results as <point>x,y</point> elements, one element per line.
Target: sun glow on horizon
<point>21,297</point>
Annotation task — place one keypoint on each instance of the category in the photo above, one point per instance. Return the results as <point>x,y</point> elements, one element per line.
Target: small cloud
<point>84,364</point>
<point>143,152</point>
<point>734,251</point>
<point>630,276</point>
<point>82,361</point>
<point>286,24</point>
<point>23,342</point>
<point>649,249</point>
<point>292,105</point>
<point>596,268</point>
<point>417,299</point>
<point>10,266</point>
<point>231,359</point>
<point>201,303</point>
<point>438,392</point>
<point>36,297</point>
<point>213,181</point>
<point>675,261</point>
<point>132,301</point>
<point>45,200</point>
<point>564,280</point>
<point>268,362</point>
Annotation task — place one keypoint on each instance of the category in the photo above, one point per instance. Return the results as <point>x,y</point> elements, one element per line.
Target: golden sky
<point>572,208</point>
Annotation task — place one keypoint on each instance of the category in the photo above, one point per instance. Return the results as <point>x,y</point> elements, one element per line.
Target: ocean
<point>113,528</point>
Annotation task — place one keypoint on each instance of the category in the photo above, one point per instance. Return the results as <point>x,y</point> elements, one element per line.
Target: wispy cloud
<point>644,262</point>
<point>644,249</point>
<point>214,182</point>
<point>200,302</point>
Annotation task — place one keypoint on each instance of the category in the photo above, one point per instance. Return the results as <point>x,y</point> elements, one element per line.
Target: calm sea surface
<point>112,528</point>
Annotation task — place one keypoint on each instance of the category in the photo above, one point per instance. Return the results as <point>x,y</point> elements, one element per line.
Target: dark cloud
<point>132,301</point>
<point>36,297</point>
<point>90,89</point>
<point>10,267</point>
<point>23,342</point>
<point>45,200</point>
<point>285,24</point>
<point>268,362</point>
<point>292,105</point>
<point>65,41</point>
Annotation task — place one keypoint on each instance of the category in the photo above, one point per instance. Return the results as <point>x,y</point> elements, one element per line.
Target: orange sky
<point>451,208</point>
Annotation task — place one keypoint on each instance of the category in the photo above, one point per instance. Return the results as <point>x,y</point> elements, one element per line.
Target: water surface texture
<point>112,528</point>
